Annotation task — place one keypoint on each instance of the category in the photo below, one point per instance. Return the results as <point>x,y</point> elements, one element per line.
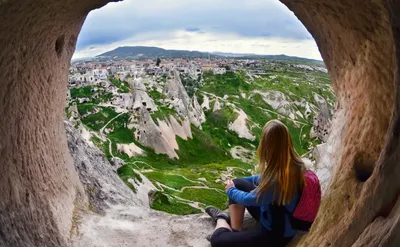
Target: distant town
<point>87,73</point>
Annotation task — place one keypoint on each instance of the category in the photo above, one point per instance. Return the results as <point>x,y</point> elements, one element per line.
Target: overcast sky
<point>251,26</point>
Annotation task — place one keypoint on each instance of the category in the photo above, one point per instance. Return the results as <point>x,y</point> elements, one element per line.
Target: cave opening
<point>357,41</point>
<point>363,166</point>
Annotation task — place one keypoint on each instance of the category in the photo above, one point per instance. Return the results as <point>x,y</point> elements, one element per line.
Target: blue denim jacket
<point>264,202</point>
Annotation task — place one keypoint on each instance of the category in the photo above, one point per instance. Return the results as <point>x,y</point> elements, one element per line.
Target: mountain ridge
<point>142,52</point>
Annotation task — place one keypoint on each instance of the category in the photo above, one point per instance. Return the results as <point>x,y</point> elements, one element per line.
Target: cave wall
<point>359,41</point>
<point>39,188</point>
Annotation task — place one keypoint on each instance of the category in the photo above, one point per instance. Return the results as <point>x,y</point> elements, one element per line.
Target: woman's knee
<point>238,182</point>
<point>243,185</point>
<point>218,242</point>
<point>219,238</point>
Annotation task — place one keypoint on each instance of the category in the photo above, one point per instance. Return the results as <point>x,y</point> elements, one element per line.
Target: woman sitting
<point>268,197</point>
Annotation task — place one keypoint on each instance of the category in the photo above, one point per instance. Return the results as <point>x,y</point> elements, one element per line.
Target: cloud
<point>213,41</point>
<point>192,29</point>
<point>134,20</point>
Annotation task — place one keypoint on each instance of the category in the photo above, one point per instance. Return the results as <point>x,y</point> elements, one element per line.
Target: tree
<point>158,62</point>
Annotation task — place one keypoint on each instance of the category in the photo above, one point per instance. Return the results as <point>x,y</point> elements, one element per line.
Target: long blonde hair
<point>280,165</point>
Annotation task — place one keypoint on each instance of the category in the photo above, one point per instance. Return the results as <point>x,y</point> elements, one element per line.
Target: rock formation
<point>360,49</point>
<point>322,123</point>
<point>360,44</point>
<point>160,136</point>
<point>102,185</point>
<point>180,100</point>
<point>240,126</point>
<point>129,149</point>
<point>277,100</point>
<point>217,105</point>
<point>197,112</point>
<point>182,130</point>
<point>137,84</point>
<point>206,103</point>
<point>135,101</point>
<point>117,162</point>
<point>141,98</point>
<point>119,217</point>
<point>149,134</point>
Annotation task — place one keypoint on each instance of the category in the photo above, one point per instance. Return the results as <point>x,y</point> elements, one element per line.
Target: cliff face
<point>119,217</point>
<point>360,43</point>
<point>149,134</point>
<point>181,101</point>
<point>102,185</point>
<point>135,101</point>
<point>360,54</point>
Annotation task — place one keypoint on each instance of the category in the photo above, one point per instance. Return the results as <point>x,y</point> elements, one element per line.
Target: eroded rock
<point>102,184</point>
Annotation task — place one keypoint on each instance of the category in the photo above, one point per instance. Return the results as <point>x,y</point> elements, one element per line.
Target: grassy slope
<point>206,156</point>
<point>121,85</point>
<point>293,83</point>
<point>98,120</point>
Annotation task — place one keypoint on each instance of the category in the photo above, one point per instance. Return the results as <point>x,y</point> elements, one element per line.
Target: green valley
<point>186,132</point>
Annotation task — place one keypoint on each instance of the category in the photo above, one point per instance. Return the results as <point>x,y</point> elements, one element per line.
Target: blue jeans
<point>258,237</point>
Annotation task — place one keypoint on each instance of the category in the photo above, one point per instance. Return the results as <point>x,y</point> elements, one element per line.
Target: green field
<point>188,184</point>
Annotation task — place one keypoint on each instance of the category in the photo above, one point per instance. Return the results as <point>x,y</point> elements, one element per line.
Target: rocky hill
<point>144,52</point>
<point>136,52</point>
<point>187,135</point>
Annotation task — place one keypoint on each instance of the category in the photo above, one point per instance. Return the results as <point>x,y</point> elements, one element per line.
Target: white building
<point>89,78</point>
<point>219,71</point>
<point>122,75</point>
<point>100,74</point>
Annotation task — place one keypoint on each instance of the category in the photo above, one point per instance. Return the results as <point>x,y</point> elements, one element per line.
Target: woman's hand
<point>229,184</point>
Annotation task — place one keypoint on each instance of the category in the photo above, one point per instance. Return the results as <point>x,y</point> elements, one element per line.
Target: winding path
<point>188,187</point>
<point>110,147</point>
<point>102,134</point>
<point>102,129</point>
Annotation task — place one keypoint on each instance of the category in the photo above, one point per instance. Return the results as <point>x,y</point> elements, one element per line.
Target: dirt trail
<point>102,134</point>
<point>102,129</point>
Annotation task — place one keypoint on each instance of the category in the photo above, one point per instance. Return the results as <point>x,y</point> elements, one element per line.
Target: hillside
<point>188,133</point>
<point>281,57</point>
<point>135,52</point>
<point>144,52</point>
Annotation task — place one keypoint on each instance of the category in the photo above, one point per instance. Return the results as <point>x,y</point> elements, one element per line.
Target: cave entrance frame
<point>359,42</point>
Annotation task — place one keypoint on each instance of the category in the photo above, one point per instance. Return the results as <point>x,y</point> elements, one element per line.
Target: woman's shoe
<point>216,213</point>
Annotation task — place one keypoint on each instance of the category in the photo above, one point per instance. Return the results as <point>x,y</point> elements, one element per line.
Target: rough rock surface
<point>206,103</point>
<point>240,126</point>
<point>160,136</point>
<point>198,110</point>
<point>125,218</point>
<point>277,100</point>
<point>217,105</point>
<point>141,98</point>
<point>125,225</point>
<point>130,149</point>
<point>149,134</point>
<point>358,49</point>
<point>322,123</point>
<point>101,183</point>
<point>137,84</point>
<point>135,101</point>
<point>181,101</point>
<point>117,162</point>
<point>360,44</point>
<point>182,130</point>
